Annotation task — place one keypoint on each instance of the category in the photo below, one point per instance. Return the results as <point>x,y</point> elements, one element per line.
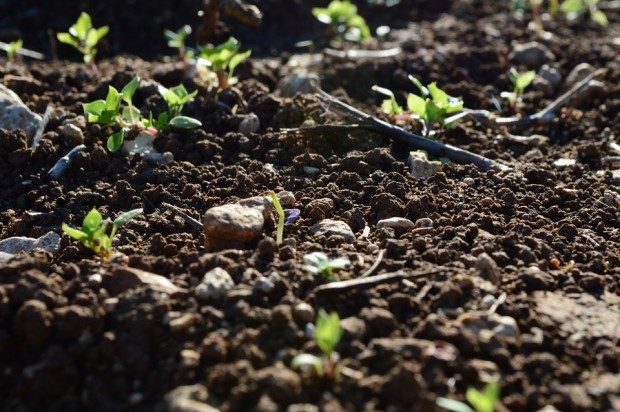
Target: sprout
<point>520,82</point>
<point>576,8</point>
<point>320,263</point>
<point>223,59</point>
<point>343,18</point>
<point>12,49</point>
<point>484,401</point>
<point>84,37</point>
<point>280,212</point>
<point>177,39</point>
<point>94,232</point>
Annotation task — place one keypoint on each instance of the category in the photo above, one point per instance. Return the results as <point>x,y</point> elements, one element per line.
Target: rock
<point>354,328</point>
<point>424,222</point>
<point>299,82</point>
<point>49,242</point>
<point>232,224</point>
<point>142,144</point>
<point>487,371</point>
<point>264,285</point>
<point>551,75</point>
<point>380,321</point>
<point>486,325</point>
<point>421,167</point>
<point>160,159</point>
<point>396,223</point>
<point>532,54</point>
<point>579,72</point>
<point>190,398</point>
<point>33,324</point>
<point>303,313</point>
<point>280,383</point>
<point>487,267</point>
<point>72,132</point>
<point>543,86</point>
<point>15,115</point>
<point>5,257</point>
<point>563,162</point>
<point>214,284</point>
<point>123,278</point>
<point>330,227</point>
<point>250,124</point>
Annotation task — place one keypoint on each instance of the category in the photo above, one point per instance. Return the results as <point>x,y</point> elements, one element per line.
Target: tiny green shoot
<point>520,82</point>
<point>342,17</point>
<point>176,39</point>
<point>118,111</point>
<point>12,49</point>
<point>223,59</point>
<point>576,8</point>
<point>84,37</point>
<point>280,212</point>
<point>431,107</point>
<point>482,401</point>
<point>94,231</point>
<point>321,264</point>
<point>327,335</point>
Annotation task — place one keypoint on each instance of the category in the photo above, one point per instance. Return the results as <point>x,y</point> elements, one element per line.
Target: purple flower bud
<point>291,215</point>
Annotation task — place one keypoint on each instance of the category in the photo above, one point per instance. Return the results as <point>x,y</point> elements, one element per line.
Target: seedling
<point>520,82</point>
<point>342,17</point>
<point>576,8</point>
<point>94,232</point>
<point>12,49</point>
<point>280,212</point>
<point>84,37</point>
<point>223,59</point>
<point>432,107</point>
<point>484,401</point>
<point>327,335</point>
<point>118,111</point>
<point>320,264</point>
<point>177,39</point>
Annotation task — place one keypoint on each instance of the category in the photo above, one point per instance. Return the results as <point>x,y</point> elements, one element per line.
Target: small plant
<point>84,37</point>
<point>520,82</point>
<point>320,264</point>
<point>94,232</point>
<point>177,39</point>
<point>484,401</point>
<point>12,49</point>
<point>343,19</point>
<point>223,59</point>
<point>327,335</point>
<point>432,107</point>
<point>117,110</point>
<point>576,8</point>
<point>281,220</point>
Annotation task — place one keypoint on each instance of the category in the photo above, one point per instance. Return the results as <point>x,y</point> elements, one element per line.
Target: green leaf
<point>102,32</point>
<point>67,39</point>
<point>573,6</point>
<point>94,108</point>
<point>184,122</point>
<point>82,26</point>
<point>420,86</point>
<point>452,405</point>
<point>236,60</point>
<point>129,89</point>
<point>417,105</point>
<point>115,141</point>
<point>322,15</point>
<point>439,96</point>
<point>327,332</point>
<point>106,243</point>
<point>131,114</point>
<point>162,121</point>
<point>484,401</point>
<point>74,233</point>
<point>600,18</point>
<point>525,79</point>
<point>359,23</point>
<point>112,100</point>
<point>91,222</point>
<point>127,216</point>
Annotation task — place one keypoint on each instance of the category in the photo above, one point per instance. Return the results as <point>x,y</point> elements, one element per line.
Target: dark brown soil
<point>66,343</point>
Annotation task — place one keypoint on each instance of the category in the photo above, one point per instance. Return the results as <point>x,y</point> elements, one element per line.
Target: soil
<point>67,342</point>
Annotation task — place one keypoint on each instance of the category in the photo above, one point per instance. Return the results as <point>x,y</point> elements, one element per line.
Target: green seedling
<point>223,59</point>
<point>482,401</point>
<point>94,232</point>
<point>118,111</point>
<point>84,37</point>
<point>343,20</point>
<point>520,82</point>
<point>576,8</point>
<point>320,264</point>
<point>280,212</point>
<point>12,49</point>
<point>327,335</point>
<point>177,39</point>
<point>432,107</point>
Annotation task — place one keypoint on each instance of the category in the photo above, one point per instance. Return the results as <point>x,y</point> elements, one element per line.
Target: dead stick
<point>375,265</point>
<point>420,142</point>
<point>372,281</point>
<point>175,210</point>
